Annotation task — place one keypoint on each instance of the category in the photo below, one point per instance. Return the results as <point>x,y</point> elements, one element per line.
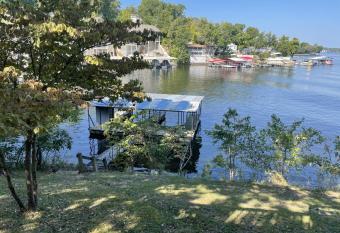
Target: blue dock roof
<point>168,102</point>
<point>158,102</point>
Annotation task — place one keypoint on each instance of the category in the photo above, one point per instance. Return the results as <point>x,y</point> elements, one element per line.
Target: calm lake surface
<point>291,93</point>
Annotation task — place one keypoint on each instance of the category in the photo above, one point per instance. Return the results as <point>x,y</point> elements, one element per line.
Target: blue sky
<point>313,21</point>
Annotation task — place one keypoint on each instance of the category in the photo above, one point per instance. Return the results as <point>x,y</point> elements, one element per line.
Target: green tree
<point>27,110</point>
<point>201,31</point>
<point>223,52</point>
<point>125,14</point>
<point>294,45</point>
<point>283,45</point>
<point>337,145</point>
<point>159,13</point>
<point>292,145</point>
<point>288,47</point>
<point>50,144</point>
<point>7,145</point>
<point>234,137</point>
<point>271,40</point>
<point>330,162</point>
<point>110,9</point>
<point>176,40</point>
<point>50,74</point>
<point>144,142</point>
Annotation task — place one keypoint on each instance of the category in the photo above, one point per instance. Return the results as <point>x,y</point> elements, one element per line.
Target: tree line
<point>178,30</point>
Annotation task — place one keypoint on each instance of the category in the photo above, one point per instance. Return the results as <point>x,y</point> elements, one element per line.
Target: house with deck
<point>151,50</point>
<point>201,54</point>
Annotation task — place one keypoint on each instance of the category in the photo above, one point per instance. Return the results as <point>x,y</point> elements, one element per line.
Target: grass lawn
<point>119,202</point>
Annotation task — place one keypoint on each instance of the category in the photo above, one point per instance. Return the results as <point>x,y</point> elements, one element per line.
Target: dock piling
<point>94,164</point>
<point>81,166</point>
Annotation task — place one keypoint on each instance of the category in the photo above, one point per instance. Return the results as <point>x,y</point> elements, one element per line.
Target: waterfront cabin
<point>233,48</point>
<point>200,54</point>
<point>150,50</point>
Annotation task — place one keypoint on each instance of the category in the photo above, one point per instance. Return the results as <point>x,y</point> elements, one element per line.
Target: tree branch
<point>10,185</point>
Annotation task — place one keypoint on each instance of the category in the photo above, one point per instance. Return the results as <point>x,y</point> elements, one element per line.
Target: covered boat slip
<point>168,110</point>
<point>101,111</point>
<point>182,110</point>
<point>171,110</point>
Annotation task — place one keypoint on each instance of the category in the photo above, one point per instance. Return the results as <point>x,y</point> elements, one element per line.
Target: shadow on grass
<point>113,202</point>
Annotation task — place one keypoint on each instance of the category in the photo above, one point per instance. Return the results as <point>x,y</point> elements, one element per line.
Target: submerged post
<point>81,166</point>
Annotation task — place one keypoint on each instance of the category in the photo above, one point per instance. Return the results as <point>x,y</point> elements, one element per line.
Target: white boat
<point>228,66</point>
<point>165,65</point>
<point>323,60</point>
<point>308,63</point>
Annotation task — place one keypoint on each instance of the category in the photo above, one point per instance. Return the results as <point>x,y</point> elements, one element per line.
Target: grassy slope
<point>115,202</point>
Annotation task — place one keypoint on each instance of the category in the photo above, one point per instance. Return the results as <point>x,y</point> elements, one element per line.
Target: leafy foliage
<point>234,137</point>
<point>144,142</point>
<point>275,149</point>
<point>49,146</point>
<point>292,144</point>
<point>45,74</point>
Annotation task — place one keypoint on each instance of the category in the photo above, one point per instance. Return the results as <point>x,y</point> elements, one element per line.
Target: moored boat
<point>165,65</point>
<point>280,61</point>
<point>323,60</point>
<point>308,63</point>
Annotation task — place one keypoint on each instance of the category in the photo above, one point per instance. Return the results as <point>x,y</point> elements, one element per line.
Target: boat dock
<point>170,110</point>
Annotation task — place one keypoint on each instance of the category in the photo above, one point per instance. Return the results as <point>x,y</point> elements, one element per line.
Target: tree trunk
<point>232,168</point>
<point>10,185</point>
<point>28,172</point>
<point>34,169</point>
<point>283,162</point>
<point>39,158</point>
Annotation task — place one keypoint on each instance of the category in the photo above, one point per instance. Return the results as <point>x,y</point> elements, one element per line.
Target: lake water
<point>291,93</point>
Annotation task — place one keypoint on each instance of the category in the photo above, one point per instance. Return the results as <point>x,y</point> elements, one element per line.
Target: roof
<point>237,59</point>
<point>247,57</point>
<point>279,59</point>
<point>106,102</point>
<point>217,60</point>
<point>147,27</point>
<point>321,58</point>
<point>159,102</point>
<point>175,103</point>
<point>191,45</point>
